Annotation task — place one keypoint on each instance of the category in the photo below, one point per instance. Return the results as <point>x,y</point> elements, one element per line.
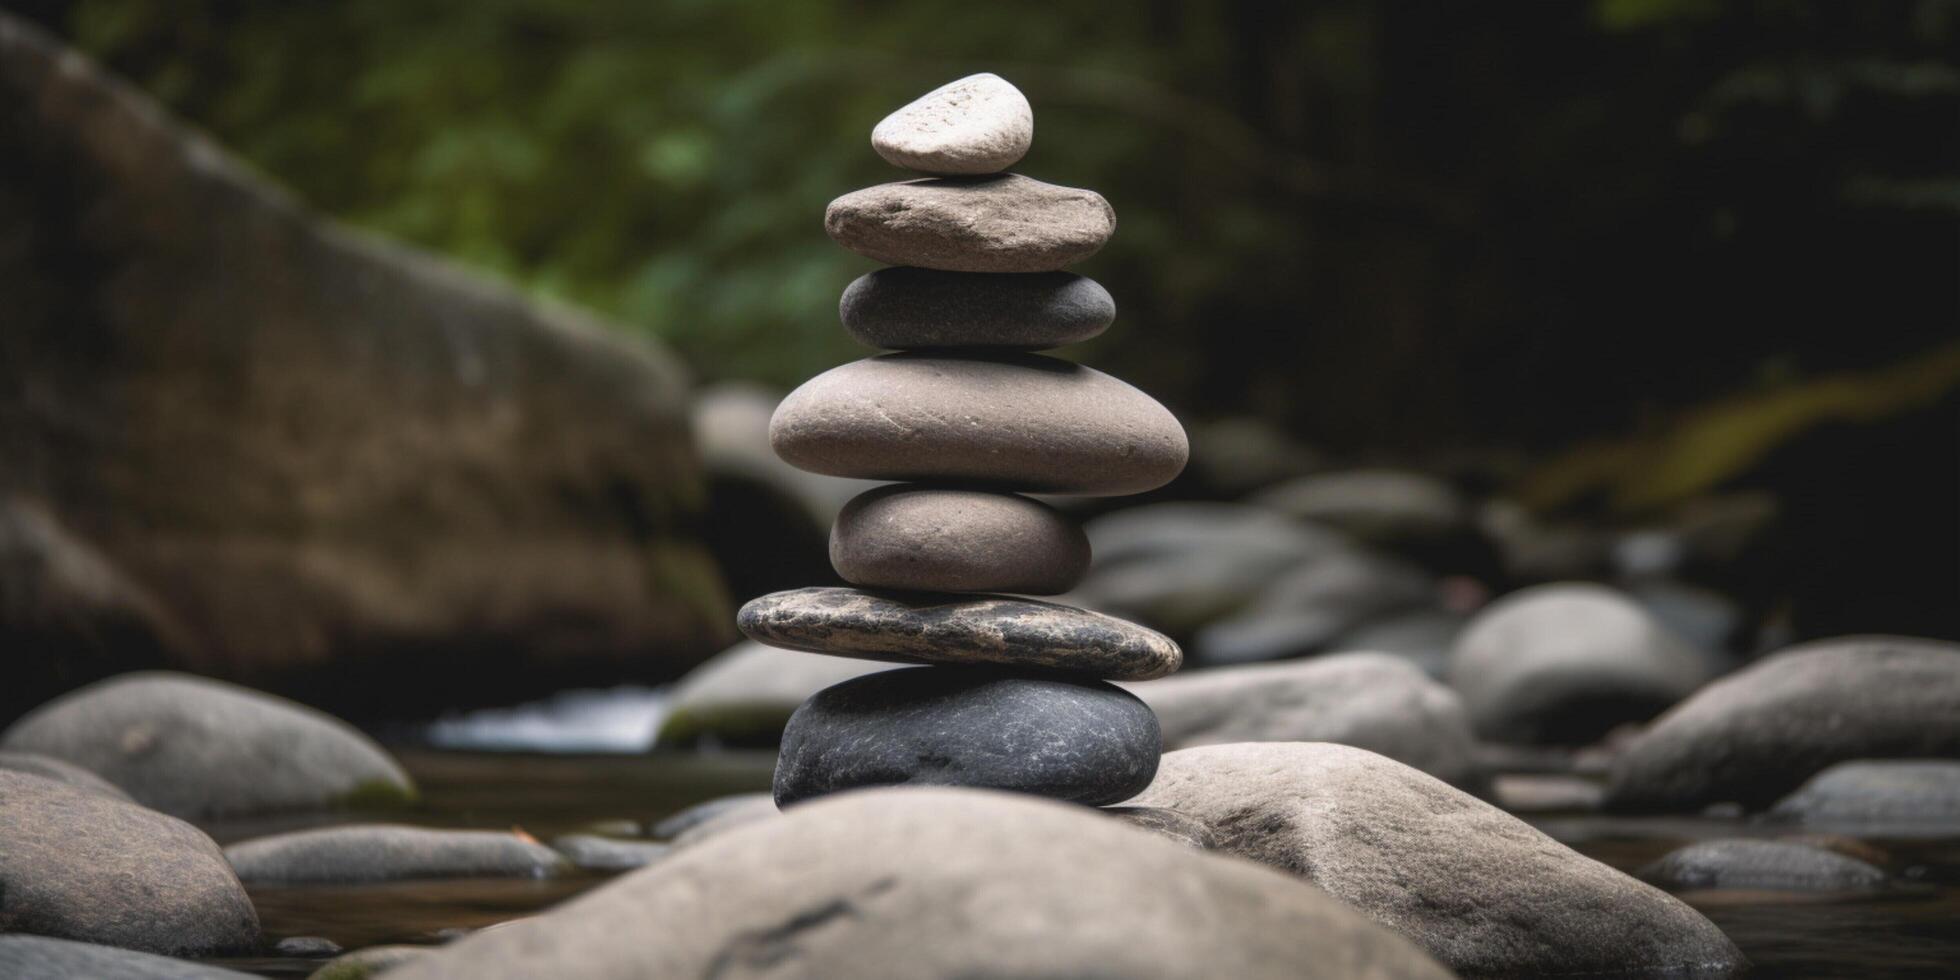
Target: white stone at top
<point>979,124</point>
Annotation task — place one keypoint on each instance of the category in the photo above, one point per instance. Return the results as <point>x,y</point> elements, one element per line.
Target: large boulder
<point>1565,663</point>
<point>1373,701</point>
<point>32,957</point>
<point>918,882</point>
<point>745,694</point>
<point>1481,890</point>
<point>76,864</point>
<point>1756,734</point>
<point>201,748</point>
<point>239,440</point>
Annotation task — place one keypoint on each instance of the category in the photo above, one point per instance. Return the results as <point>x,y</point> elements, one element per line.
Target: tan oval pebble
<point>1007,223</point>
<point>938,540</point>
<point>1010,421</point>
<point>979,124</point>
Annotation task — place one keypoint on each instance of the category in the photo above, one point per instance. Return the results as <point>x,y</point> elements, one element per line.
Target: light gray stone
<point>1761,865</point>
<point>1007,223</point>
<point>1888,797</point>
<point>704,820</point>
<point>1375,505</point>
<point>939,629</point>
<point>1170,824</point>
<point>1567,662</point>
<point>745,694</point>
<point>389,852</point>
<point>938,540</point>
<point>906,308</point>
<point>1305,608</point>
<point>196,748</point>
<point>589,852</point>
<point>1008,422</point>
<point>45,958</point>
<point>55,769</point>
<point>76,864</point>
<point>919,882</point>
<point>1373,701</point>
<point>979,124</point>
<point>1757,734</point>
<point>1477,888</point>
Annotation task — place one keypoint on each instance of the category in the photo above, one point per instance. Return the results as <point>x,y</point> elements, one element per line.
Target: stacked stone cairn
<point>966,419</point>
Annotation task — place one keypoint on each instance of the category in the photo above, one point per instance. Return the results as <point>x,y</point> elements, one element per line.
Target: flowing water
<point>1910,931</point>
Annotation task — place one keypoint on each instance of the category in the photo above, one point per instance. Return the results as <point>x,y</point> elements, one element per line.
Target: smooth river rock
<point>1007,223</point>
<point>981,629</point>
<point>1477,888</point>
<point>1566,663</point>
<point>44,958</point>
<point>1372,701</point>
<point>1082,741</point>
<point>1757,734</point>
<point>1761,865</point>
<point>904,308</point>
<point>76,864</point>
<point>1010,422</point>
<point>934,540</point>
<point>374,961</point>
<point>200,748</point>
<point>389,852</point>
<point>941,883</point>
<point>979,124</point>
<point>744,695</point>
<point>590,852</point>
<point>1880,797</point>
<point>55,769</point>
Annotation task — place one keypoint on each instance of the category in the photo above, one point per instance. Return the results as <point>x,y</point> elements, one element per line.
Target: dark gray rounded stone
<point>1899,797</point>
<point>388,852</point>
<point>939,629</point>
<point>1083,741</point>
<point>38,957</point>
<point>1001,421</point>
<point>77,864</point>
<point>906,307</point>
<point>936,540</point>
<point>1761,864</point>
<point>1002,223</point>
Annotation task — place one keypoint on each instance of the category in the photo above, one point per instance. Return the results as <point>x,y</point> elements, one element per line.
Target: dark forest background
<point>1609,255</point>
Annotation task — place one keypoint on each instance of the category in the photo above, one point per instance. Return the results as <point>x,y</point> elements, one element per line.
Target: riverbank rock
<point>1888,797</point>
<point>363,964</point>
<point>979,124</point>
<point>927,882</point>
<point>1568,662</point>
<point>589,852</point>
<point>49,767</point>
<point>1079,740</point>
<point>200,748</point>
<point>317,464</point>
<point>1478,889</point>
<point>959,630</point>
<point>1003,223</point>
<point>1303,609</point>
<point>1372,701</point>
<point>1757,734</point>
<point>704,820</point>
<point>1761,864</point>
<point>906,308</point>
<point>76,864</point>
<point>933,539</point>
<point>744,695</point>
<point>35,957</point>
<point>1010,421</point>
<point>389,852</point>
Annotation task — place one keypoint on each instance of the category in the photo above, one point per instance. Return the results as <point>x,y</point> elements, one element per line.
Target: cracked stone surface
<point>1078,740</point>
<point>949,629</point>
<point>1007,422</point>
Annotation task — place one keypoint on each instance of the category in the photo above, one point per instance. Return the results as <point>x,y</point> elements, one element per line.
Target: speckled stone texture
<point>907,308</point>
<point>1008,422</point>
<point>387,852</point>
<point>936,540</point>
<point>1082,741</point>
<point>979,124</point>
<point>945,629</point>
<point>1007,223</point>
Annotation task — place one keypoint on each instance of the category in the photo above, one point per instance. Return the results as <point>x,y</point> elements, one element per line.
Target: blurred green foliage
<point>1398,224</point>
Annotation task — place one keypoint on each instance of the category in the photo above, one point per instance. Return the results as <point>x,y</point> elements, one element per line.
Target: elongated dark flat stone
<point>905,308</point>
<point>941,629</point>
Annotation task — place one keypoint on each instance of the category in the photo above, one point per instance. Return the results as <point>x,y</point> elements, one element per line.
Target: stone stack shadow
<point>966,420</point>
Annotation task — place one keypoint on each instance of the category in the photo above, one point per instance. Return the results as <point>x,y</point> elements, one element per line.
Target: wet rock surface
<point>387,852</point>
<point>1761,864</point>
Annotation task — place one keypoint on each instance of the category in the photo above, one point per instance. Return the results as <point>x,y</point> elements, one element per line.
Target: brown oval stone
<point>941,629</point>
<point>1012,422</point>
<point>938,540</point>
<point>1002,223</point>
